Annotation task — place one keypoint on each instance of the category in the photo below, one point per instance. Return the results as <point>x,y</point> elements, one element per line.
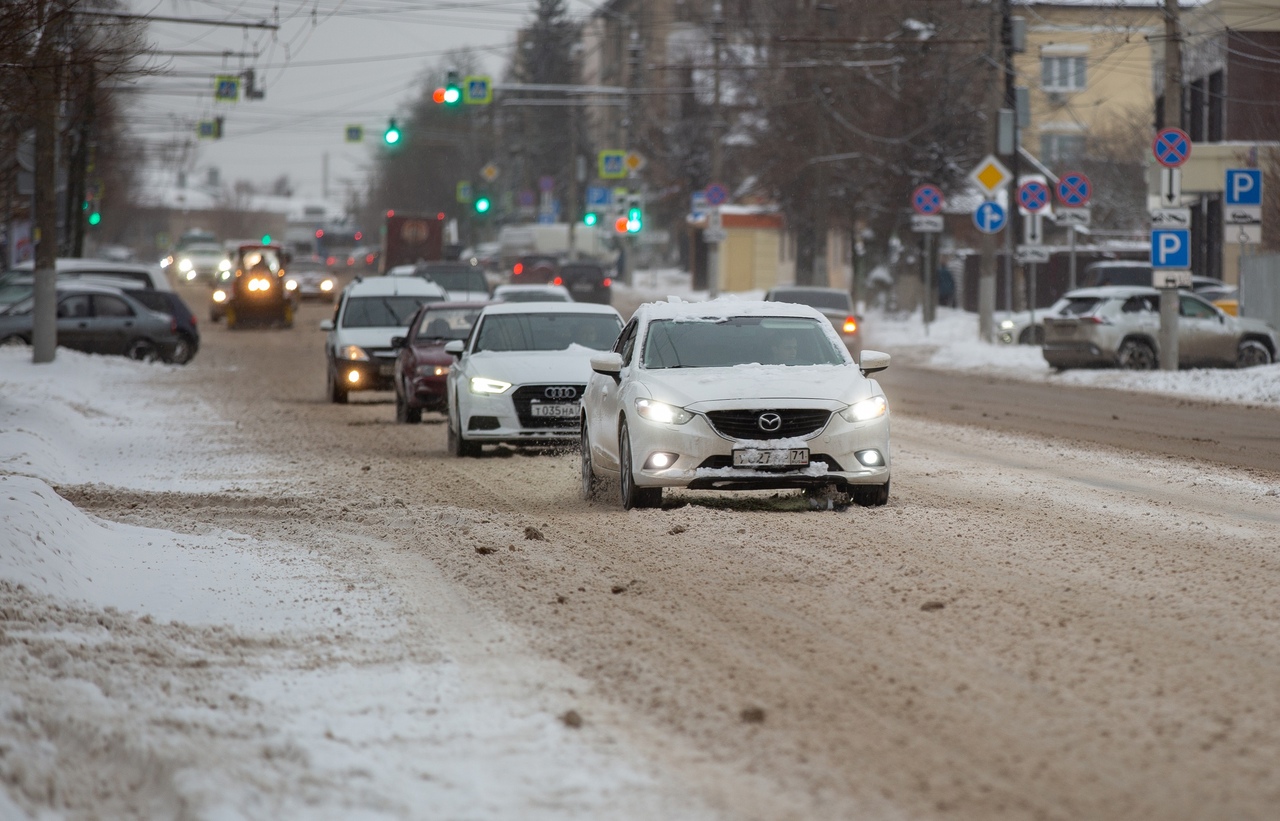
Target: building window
<point>1062,73</point>
<point>1061,149</point>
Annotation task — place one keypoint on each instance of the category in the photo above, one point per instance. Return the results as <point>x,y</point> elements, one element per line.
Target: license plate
<point>387,370</point>
<point>557,410</point>
<point>581,286</point>
<point>770,458</point>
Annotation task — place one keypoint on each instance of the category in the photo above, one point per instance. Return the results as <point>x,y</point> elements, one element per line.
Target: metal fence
<point>1260,288</point>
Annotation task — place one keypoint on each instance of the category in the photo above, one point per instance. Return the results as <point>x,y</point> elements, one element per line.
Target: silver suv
<point>1119,326</point>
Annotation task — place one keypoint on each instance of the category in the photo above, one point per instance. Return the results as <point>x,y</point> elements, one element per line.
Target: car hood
<point>467,296</point>
<point>432,353</point>
<point>1245,323</point>
<point>534,367</point>
<point>747,386</point>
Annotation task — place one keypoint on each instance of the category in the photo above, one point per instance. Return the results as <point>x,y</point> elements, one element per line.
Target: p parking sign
<point>1171,248</point>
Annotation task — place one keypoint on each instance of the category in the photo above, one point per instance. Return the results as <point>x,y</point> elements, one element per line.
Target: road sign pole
<point>1071,259</point>
<point>1168,328</point>
<point>929,301</point>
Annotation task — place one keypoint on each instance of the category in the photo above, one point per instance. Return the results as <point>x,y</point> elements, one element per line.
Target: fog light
<point>353,377</point>
<point>870,458</point>
<point>658,461</point>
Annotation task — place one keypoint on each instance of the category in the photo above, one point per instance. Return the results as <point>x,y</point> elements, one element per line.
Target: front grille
<point>745,424</point>
<point>721,462</point>
<point>526,396</point>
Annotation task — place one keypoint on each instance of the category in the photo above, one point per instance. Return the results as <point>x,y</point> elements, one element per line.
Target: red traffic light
<point>391,212</point>
<point>620,225</point>
<point>438,96</point>
<point>319,233</point>
<point>440,216</point>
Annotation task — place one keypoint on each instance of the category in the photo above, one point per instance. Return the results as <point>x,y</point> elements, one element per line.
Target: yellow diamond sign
<point>990,175</point>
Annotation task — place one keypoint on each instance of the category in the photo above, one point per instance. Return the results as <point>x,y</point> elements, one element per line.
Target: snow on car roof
<point>549,307</point>
<point>676,308</point>
<point>394,286</point>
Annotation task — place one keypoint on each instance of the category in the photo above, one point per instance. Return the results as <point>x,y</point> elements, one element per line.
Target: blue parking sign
<point>1244,186</point>
<point>598,195</point>
<point>1171,248</point>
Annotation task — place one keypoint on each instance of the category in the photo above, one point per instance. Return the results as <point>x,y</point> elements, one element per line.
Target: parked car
<point>97,318</point>
<point>1132,272</point>
<point>509,292</point>
<point>368,313</point>
<point>144,276</point>
<point>734,395</point>
<point>422,363</point>
<point>1026,327</point>
<point>836,304</point>
<point>1119,326</point>
<point>462,281</point>
<point>1226,297</point>
<point>586,281</point>
<point>168,302</point>
<point>520,374</point>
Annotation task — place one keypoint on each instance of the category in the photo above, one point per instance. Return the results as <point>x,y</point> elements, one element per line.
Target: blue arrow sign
<point>1033,196</point>
<point>1074,190</point>
<point>927,200</point>
<point>989,217</point>
<point>1244,186</point>
<point>1171,147</point>
<point>1171,248</point>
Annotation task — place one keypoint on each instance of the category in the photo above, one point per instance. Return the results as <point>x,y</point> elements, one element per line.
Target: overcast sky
<point>331,63</point>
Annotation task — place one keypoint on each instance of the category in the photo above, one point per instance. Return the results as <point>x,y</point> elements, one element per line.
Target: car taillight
<point>330,260</point>
<point>557,281</point>
<point>850,325</point>
<point>608,282</point>
<point>1095,320</point>
<point>518,269</point>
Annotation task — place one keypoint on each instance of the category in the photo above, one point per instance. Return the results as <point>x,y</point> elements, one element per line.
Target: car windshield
<point>468,280</point>
<point>724,342</point>
<point>822,300</point>
<point>447,323</point>
<point>382,311</point>
<point>547,331</point>
<point>1080,306</point>
<point>12,290</point>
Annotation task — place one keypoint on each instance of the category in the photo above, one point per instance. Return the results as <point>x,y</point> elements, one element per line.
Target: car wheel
<point>1136,355</point>
<point>406,415</point>
<point>1031,336</point>
<point>183,351</point>
<point>1252,353</point>
<point>337,393</point>
<point>872,495</point>
<point>455,443</point>
<point>633,496</point>
<point>590,482</point>
<point>143,350</point>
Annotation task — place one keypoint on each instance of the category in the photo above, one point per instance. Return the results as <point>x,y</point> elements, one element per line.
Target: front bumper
<point>704,457</point>
<point>428,392</point>
<point>1081,354</point>
<point>366,375</point>
<point>507,417</point>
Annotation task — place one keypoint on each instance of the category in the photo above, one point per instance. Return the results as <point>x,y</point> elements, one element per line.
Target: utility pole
<point>713,248</point>
<point>1013,227</point>
<point>1171,116</point>
<point>44,322</point>
<point>987,261</point>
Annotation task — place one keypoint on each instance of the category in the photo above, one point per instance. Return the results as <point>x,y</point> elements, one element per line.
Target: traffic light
<point>266,239</point>
<point>590,218</point>
<point>452,89</point>
<point>620,225</point>
<point>635,219</point>
<point>392,135</point>
<point>482,204</point>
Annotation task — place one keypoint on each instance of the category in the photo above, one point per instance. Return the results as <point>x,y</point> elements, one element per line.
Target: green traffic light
<point>392,135</point>
<point>482,205</point>
<point>266,239</point>
<point>635,220</point>
<point>452,94</point>
<point>95,218</point>
<point>590,218</point>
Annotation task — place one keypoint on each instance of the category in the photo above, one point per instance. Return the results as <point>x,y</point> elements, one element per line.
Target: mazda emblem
<point>568,392</point>
<point>769,422</point>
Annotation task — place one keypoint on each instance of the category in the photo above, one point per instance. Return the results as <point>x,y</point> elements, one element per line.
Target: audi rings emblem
<point>569,392</point>
<point>769,422</point>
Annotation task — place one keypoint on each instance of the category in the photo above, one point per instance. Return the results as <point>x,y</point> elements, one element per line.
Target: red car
<point>422,364</point>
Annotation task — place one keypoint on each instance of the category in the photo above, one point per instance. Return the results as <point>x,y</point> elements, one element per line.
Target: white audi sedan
<point>520,375</point>
<point>734,395</point>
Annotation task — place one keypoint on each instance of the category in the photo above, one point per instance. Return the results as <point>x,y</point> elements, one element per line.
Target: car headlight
<point>481,384</point>
<point>1006,325</point>
<point>291,285</point>
<point>662,412</point>
<point>225,265</point>
<point>326,285</point>
<point>433,370</point>
<point>866,409</point>
<point>219,296</point>
<point>353,352</point>
<point>185,265</point>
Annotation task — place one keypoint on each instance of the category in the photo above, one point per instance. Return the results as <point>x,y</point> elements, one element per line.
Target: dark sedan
<point>422,364</point>
<point>98,319</point>
<point>587,281</point>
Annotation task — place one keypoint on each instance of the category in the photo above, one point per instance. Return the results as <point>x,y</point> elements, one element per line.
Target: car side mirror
<point>608,363</point>
<point>455,347</point>
<point>326,324</point>
<point>873,362</point>
<point>398,341</point>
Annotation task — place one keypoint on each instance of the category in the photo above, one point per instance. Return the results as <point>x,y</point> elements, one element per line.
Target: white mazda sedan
<point>734,395</point>
<point>520,375</point>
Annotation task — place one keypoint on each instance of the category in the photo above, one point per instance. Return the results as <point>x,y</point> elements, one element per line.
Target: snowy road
<point>1032,628</point>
